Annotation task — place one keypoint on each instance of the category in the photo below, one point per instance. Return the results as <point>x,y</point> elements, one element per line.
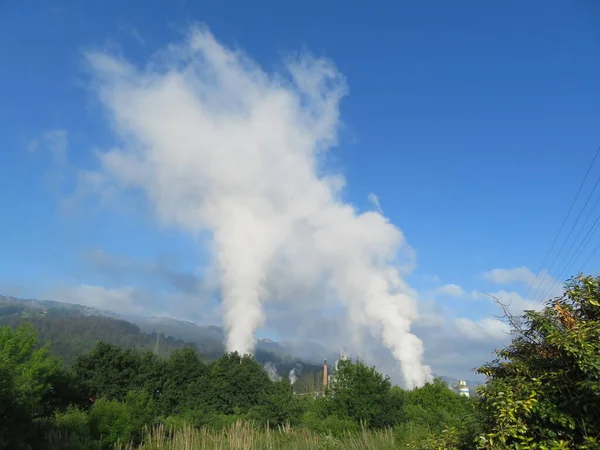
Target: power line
<point>592,209</point>
<point>590,233</point>
<point>590,257</point>
<point>575,256</point>
<point>571,231</point>
<point>562,225</point>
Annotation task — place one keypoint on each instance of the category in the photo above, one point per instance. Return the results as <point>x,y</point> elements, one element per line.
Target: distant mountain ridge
<point>46,304</point>
<point>207,339</point>
<point>72,329</point>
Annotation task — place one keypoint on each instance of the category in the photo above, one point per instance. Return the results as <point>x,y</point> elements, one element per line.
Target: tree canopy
<point>543,390</point>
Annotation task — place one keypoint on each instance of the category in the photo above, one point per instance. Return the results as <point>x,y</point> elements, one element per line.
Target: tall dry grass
<point>243,436</point>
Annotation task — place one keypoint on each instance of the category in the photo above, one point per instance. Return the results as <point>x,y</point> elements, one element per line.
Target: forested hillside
<point>71,330</point>
<point>70,333</point>
<point>542,393</point>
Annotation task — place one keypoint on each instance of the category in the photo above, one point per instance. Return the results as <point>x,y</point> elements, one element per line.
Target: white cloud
<point>430,279</point>
<point>514,301</point>
<point>542,286</point>
<point>130,301</point>
<point>454,346</point>
<point>123,300</point>
<point>132,31</point>
<point>522,275</point>
<point>56,142</point>
<point>216,143</point>
<point>451,290</point>
<point>375,202</point>
<point>487,328</point>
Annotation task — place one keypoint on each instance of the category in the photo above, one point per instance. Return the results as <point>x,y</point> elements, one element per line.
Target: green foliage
<point>75,424</point>
<point>236,384</point>
<point>435,406</point>
<point>543,390</point>
<point>113,421</point>
<point>70,334</point>
<point>180,372</point>
<point>26,392</point>
<point>360,393</point>
<point>31,366</point>
<point>278,406</point>
<point>332,424</point>
<point>108,371</point>
<point>14,416</point>
<point>309,382</point>
<point>134,391</point>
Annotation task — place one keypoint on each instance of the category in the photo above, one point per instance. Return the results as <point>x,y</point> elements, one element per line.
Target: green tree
<point>108,371</point>
<point>436,407</point>
<point>112,421</point>
<point>236,384</point>
<point>279,406</point>
<point>181,371</point>
<point>360,393</point>
<point>309,383</point>
<point>543,390</point>
<point>152,375</point>
<point>26,393</point>
<point>15,419</point>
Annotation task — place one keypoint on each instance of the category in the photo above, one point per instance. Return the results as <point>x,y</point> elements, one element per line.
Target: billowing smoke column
<point>271,372</point>
<point>217,144</point>
<point>292,377</point>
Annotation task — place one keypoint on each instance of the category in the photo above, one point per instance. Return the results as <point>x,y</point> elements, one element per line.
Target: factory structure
<point>461,388</point>
<point>329,378</point>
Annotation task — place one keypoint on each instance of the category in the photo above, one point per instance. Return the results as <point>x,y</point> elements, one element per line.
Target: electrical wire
<point>535,279</point>
<point>575,256</point>
<point>589,257</point>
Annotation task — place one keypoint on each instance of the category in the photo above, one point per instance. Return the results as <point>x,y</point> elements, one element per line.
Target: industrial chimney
<point>463,389</point>
<point>324,375</point>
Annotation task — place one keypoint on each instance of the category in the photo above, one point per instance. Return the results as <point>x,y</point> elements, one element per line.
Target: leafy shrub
<point>542,390</point>
<point>110,421</point>
<point>219,421</point>
<point>174,423</point>
<point>74,422</point>
<point>26,371</point>
<point>334,425</point>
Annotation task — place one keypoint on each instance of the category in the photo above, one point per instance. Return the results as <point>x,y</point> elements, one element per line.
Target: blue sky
<point>473,124</point>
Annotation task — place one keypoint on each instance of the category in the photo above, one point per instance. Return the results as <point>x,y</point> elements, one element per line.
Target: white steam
<point>271,372</point>
<point>292,376</point>
<point>217,144</point>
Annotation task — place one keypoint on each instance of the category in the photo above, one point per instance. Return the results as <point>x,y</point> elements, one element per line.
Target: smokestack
<point>324,375</point>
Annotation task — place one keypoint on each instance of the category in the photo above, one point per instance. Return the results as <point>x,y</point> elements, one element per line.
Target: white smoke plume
<point>218,144</point>
<point>271,372</point>
<point>375,202</point>
<point>292,376</point>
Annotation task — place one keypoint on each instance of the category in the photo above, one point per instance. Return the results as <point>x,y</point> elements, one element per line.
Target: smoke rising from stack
<point>271,372</point>
<point>216,144</point>
<point>292,377</point>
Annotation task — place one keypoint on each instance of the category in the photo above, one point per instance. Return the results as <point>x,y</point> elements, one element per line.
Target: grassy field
<point>242,436</point>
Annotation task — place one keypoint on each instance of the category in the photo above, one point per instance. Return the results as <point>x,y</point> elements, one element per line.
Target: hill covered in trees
<point>109,395</point>
<point>542,393</point>
<point>71,330</point>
